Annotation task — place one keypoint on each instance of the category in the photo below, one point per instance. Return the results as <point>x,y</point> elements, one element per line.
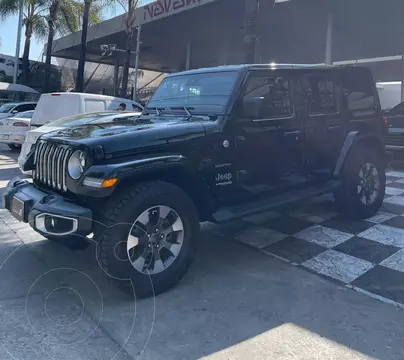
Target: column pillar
<point>137,58</point>
<point>116,75</point>
<point>188,56</point>
<point>402,77</point>
<point>251,31</point>
<point>328,43</point>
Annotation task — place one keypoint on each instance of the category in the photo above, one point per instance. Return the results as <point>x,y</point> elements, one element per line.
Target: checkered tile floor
<point>367,255</point>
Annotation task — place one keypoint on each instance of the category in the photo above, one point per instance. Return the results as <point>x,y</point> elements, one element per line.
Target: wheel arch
<point>357,139</point>
<point>183,176</point>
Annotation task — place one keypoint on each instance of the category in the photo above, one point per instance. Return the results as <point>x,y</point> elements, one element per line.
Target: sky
<point>8,33</point>
<point>8,36</point>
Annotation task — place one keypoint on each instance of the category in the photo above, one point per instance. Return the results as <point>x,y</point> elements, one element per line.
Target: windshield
<point>195,90</point>
<point>6,108</point>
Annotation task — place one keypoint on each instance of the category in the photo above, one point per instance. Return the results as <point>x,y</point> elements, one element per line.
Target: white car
<point>14,128</point>
<point>13,108</point>
<point>120,117</point>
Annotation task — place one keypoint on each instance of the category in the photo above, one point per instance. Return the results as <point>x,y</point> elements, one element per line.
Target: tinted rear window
<point>358,93</point>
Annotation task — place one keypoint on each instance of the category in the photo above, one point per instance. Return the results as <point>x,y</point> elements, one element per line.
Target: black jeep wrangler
<point>212,145</point>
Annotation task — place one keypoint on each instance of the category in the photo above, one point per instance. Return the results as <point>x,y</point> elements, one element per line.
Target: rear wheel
<point>363,184</point>
<point>14,147</point>
<point>146,243</point>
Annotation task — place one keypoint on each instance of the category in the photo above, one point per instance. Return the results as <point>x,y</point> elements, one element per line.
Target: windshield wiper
<point>187,111</point>
<point>158,110</point>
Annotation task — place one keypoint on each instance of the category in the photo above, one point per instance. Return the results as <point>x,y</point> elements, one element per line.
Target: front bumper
<point>47,213</point>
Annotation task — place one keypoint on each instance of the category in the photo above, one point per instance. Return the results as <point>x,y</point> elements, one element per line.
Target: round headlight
<point>76,165</point>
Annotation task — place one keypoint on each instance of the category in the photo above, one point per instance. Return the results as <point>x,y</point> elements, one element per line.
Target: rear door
<point>324,127</point>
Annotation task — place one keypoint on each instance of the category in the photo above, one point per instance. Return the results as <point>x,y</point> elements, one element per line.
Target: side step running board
<point>257,206</point>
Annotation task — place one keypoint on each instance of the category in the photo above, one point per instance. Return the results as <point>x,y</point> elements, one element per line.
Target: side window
<point>358,94</point>
<point>275,92</point>
<point>320,95</point>
<point>24,107</point>
<point>94,105</point>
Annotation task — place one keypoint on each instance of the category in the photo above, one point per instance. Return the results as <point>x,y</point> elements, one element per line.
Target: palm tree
<point>90,9</point>
<point>130,27</point>
<point>33,22</point>
<point>62,18</point>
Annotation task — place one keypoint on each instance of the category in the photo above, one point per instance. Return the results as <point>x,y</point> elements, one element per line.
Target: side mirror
<point>252,107</point>
<point>14,112</point>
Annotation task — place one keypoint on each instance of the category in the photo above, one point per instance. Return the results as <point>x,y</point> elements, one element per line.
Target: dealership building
<point>181,34</point>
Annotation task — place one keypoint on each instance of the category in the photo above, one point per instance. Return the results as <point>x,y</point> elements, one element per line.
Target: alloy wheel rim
<point>369,184</point>
<point>155,240</point>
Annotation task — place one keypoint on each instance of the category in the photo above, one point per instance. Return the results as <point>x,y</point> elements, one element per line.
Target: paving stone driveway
<point>367,255</point>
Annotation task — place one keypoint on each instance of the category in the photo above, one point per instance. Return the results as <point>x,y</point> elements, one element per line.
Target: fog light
<point>50,223</point>
<point>55,224</point>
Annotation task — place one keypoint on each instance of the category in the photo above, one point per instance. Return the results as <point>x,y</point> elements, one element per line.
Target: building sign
<point>162,8</point>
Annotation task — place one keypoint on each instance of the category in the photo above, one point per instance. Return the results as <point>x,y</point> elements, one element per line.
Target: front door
<point>267,146</point>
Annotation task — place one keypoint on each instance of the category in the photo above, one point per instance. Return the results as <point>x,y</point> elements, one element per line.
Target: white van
<point>55,106</point>
<point>389,94</point>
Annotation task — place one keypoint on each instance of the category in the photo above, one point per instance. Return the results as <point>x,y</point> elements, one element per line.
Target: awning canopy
<point>288,31</point>
<point>16,88</point>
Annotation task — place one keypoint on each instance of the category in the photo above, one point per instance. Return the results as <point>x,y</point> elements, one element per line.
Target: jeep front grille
<point>51,164</point>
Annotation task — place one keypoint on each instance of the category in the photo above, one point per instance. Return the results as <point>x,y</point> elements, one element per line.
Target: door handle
<point>331,127</point>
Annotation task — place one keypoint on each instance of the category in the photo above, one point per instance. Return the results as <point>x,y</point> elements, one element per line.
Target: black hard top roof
<point>272,66</point>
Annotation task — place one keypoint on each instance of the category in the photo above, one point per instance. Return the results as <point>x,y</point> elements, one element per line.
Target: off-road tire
<point>346,197</point>
<point>14,147</point>
<point>113,226</point>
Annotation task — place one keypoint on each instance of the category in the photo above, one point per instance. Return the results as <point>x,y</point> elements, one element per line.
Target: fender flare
<point>352,138</point>
<point>141,165</point>
<point>144,168</point>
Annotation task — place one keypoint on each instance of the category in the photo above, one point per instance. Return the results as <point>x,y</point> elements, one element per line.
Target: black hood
<point>114,137</point>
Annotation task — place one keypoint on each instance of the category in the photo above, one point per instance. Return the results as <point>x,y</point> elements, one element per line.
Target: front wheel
<point>363,184</point>
<point>146,238</point>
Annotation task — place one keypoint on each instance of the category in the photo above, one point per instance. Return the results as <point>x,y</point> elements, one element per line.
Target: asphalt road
<point>235,303</point>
